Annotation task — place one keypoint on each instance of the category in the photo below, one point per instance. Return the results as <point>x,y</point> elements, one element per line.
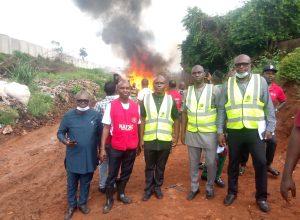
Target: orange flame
<point>138,71</point>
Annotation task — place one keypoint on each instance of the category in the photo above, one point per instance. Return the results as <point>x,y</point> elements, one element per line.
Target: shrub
<point>75,89</point>
<point>22,56</point>
<point>2,57</point>
<point>289,67</point>
<point>8,115</point>
<point>23,72</point>
<point>40,104</point>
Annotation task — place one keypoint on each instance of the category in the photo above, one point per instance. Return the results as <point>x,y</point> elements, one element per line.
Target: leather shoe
<point>229,199</point>
<point>192,195</point>
<point>263,206</point>
<point>158,193</point>
<point>124,199</point>
<point>84,209</point>
<point>210,194</point>
<point>273,171</point>
<point>147,196</point>
<point>219,182</point>
<point>69,213</point>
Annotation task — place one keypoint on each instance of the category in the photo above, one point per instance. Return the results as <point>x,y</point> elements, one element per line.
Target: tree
<point>58,49</point>
<point>82,53</point>
<point>252,29</point>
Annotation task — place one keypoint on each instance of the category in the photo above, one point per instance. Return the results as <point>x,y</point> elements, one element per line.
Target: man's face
<point>182,86</point>
<point>198,74</point>
<point>269,76</point>
<point>242,64</point>
<point>159,85</point>
<point>124,89</point>
<point>82,103</point>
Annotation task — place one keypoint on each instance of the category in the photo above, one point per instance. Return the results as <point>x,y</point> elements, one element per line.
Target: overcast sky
<point>41,21</point>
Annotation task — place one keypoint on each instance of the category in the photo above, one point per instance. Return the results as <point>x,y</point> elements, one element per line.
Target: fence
<point>8,45</point>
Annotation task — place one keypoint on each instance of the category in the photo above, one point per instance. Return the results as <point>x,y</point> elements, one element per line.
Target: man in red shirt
<point>121,119</point>
<point>276,92</point>
<point>292,156</point>
<point>175,94</point>
<point>278,98</point>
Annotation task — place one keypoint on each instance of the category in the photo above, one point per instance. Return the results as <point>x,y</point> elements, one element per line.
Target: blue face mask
<point>242,75</point>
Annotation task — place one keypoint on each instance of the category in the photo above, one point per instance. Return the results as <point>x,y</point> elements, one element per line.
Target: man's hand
<point>138,151</point>
<point>268,135</point>
<point>287,184</point>
<point>103,155</point>
<point>70,143</point>
<point>140,147</point>
<point>222,140</point>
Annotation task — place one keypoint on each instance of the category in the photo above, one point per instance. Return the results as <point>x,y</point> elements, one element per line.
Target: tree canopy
<point>213,41</point>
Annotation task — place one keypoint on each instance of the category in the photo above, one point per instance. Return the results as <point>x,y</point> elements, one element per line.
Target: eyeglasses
<point>159,83</point>
<point>82,100</point>
<point>241,64</point>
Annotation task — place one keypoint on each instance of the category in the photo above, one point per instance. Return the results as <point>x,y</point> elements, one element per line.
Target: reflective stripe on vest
<point>158,125</point>
<point>244,111</point>
<point>201,116</point>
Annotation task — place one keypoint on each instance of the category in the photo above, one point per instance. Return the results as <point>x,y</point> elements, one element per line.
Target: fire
<point>138,71</point>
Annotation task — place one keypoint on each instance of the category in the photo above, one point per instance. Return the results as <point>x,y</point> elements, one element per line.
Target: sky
<point>42,21</point>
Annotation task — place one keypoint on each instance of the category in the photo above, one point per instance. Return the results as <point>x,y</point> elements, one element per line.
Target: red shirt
<point>297,119</point>
<point>125,124</point>
<point>276,93</point>
<point>176,97</point>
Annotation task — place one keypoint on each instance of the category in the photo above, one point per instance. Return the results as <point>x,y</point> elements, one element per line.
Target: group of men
<point>238,115</point>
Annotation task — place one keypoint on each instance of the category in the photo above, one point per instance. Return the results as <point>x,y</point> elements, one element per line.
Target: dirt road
<point>33,186</point>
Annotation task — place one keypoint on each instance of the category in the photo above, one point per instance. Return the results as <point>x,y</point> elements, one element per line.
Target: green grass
<point>97,76</point>
<point>23,72</point>
<point>8,115</point>
<point>40,105</point>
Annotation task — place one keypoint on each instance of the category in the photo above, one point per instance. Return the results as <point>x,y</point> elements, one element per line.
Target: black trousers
<point>156,161</point>
<point>270,152</point>
<point>119,159</point>
<point>239,140</point>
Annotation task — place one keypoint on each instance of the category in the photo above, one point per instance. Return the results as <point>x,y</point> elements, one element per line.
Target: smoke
<point>122,29</point>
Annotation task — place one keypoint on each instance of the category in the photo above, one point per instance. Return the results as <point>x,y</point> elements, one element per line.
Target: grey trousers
<point>210,161</point>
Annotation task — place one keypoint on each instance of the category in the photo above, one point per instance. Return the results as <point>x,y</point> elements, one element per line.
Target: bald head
<point>159,84</point>
<point>83,95</point>
<point>242,58</point>
<point>197,68</point>
<point>123,82</point>
<point>159,77</point>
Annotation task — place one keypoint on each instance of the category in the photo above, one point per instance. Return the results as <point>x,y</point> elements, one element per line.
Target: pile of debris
<point>62,94</point>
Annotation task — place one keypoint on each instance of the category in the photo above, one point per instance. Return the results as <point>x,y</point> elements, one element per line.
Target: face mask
<point>242,75</point>
<point>83,109</point>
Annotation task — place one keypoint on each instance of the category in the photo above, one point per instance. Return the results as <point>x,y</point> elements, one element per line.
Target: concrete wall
<point>8,45</point>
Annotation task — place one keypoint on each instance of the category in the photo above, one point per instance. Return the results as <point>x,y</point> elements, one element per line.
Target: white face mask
<point>83,109</point>
<point>242,75</point>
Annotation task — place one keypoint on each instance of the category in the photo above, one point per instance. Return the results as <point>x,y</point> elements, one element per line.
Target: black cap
<point>270,68</point>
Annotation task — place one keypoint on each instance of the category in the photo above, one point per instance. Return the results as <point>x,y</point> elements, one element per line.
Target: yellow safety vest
<point>158,125</point>
<point>244,111</point>
<point>201,116</point>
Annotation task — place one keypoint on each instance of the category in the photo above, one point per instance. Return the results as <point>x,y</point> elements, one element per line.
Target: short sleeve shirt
<point>276,93</point>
